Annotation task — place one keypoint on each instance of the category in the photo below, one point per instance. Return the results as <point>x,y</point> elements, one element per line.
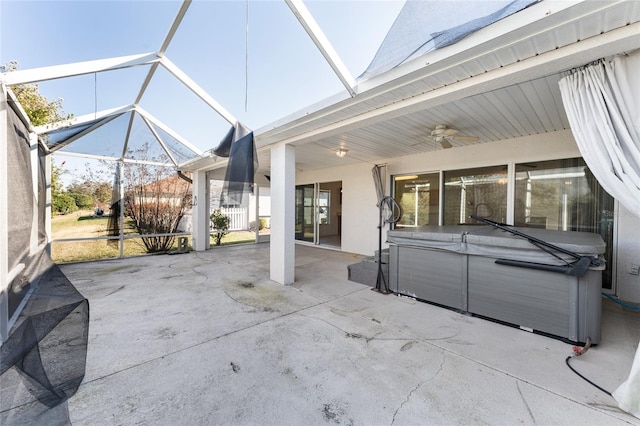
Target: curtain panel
<point>602,101</point>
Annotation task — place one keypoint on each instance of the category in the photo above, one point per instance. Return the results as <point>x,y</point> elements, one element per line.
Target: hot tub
<point>455,266</point>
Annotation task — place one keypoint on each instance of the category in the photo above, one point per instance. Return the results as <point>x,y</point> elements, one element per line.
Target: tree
<point>39,109</point>
<point>220,225</point>
<point>61,202</point>
<point>100,192</point>
<point>83,201</point>
<point>155,199</point>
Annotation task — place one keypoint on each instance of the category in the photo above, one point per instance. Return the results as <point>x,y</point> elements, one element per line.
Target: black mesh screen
<point>42,361</point>
<point>47,348</point>
<point>20,194</point>
<point>239,146</point>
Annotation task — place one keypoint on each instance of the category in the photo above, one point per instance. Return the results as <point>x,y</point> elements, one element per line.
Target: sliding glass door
<point>319,213</point>
<point>305,213</point>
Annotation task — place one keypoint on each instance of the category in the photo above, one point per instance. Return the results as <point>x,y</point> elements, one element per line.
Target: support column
<point>4,220</point>
<point>35,171</point>
<point>200,211</point>
<point>48,206</point>
<point>283,189</point>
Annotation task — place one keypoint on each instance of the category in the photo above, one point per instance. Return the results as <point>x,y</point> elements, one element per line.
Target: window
<point>480,191</point>
<point>558,194</point>
<point>564,195</point>
<point>418,196</point>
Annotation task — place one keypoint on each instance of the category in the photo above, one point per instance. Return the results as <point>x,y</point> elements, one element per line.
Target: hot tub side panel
<point>529,298</point>
<point>432,275</point>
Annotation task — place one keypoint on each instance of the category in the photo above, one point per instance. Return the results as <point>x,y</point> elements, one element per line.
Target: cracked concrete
<point>207,338</point>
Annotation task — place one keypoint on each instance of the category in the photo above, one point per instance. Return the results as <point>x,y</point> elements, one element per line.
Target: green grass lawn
<point>82,224</point>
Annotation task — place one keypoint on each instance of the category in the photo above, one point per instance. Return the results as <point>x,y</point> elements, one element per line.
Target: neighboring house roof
<point>172,185</point>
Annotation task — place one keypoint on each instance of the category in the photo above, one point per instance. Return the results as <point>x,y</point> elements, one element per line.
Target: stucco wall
<point>628,255</point>
<point>359,211</point>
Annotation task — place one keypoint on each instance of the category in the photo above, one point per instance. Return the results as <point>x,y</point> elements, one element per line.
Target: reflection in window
<point>418,196</point>
<point>324,206</point>
<point>564,195</point>
<point>480,191</point>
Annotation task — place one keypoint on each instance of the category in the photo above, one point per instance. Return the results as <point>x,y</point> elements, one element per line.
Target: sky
<point>253,57</point>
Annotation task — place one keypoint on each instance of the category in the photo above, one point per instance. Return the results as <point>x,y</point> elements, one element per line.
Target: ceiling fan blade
<point>465,138</point>
<point>445,144</point>
<point>450,132</point>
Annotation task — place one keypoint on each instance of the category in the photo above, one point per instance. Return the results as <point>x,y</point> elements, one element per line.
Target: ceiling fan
<point>445,136</point>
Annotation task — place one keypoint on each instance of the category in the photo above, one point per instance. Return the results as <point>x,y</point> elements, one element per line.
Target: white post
<point>120,172</point>
<point>256,216</point>
<point>4,220</point>
<point>48,201</point>
<point>35,163</point>
<point>200,211</point>
<point>282,241</point>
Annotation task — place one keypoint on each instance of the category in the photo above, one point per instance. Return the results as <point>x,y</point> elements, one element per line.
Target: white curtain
<point>602,101</point>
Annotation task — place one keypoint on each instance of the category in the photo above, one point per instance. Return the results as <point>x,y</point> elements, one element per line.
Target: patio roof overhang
<point>498,83</point>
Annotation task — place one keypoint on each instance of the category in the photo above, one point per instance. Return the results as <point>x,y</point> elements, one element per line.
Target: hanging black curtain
<point>238,145</point>
<point>114,215</point>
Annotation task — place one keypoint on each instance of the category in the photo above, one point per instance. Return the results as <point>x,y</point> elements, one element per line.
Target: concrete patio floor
<point>207,338</point>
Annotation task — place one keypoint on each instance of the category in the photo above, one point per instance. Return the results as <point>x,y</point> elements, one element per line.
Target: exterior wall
<point>360,215</point>
<point>627,255</point>
<point>359,211</point>
<point>264,205</point>
<point>529,148</point>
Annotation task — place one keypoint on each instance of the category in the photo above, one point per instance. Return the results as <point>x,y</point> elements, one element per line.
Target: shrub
<point>261,225</point>
<point>220,225</point>
<point>63,204</point>
<point>83,201</point>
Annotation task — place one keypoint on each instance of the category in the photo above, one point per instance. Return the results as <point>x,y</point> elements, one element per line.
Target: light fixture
<point>406,177</point>
<point>341,152</point>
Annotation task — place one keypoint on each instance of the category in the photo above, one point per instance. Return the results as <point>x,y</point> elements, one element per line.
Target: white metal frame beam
<point>197,90</point>
<point>4,219</point>
<point>163,48</point>
<point>87,118</point>
<point>35,75</point>
<point>144,113</point>
<point>160,141</point>
<point>109,158</point>
<point>322,43</point>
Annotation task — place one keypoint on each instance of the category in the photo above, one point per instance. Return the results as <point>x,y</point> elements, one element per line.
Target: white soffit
<point>542,40</point>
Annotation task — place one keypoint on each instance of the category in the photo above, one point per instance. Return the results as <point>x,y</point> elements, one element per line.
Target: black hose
<point>588,381</point>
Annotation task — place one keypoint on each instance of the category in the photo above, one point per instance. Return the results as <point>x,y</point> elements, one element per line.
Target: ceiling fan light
<point>341,152</point>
